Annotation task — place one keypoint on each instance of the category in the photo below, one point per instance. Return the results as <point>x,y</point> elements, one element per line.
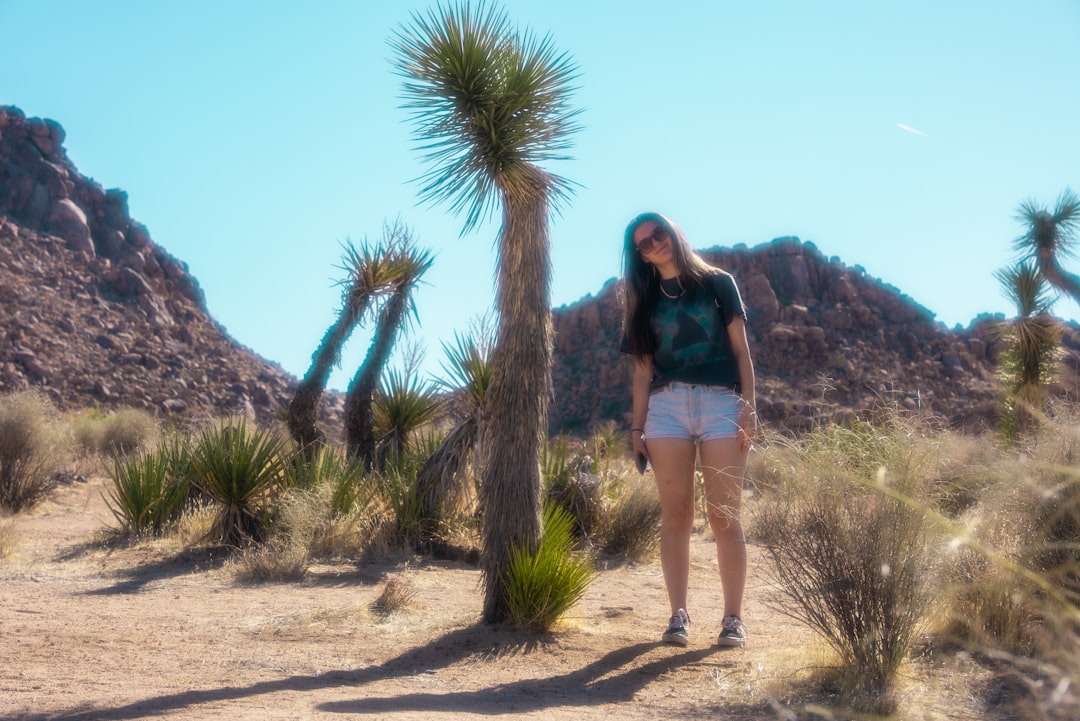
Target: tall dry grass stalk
<point>7,539</point>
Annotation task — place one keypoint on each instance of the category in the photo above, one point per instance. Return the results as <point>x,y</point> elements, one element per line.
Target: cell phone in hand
<point>641,462</point>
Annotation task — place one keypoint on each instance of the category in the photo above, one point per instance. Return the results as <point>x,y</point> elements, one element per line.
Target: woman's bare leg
<point>723,465</point>
<point>673,462</point>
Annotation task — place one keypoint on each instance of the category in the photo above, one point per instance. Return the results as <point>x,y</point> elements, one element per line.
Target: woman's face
<point>653,242</point>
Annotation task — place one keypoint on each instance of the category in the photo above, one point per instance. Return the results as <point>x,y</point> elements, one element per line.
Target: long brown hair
<point>641,281</point>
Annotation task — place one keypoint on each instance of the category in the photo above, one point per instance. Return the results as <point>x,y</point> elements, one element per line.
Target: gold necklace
<point>682,288</point>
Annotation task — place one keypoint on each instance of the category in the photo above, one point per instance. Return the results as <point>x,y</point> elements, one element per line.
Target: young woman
<point>693,398</point>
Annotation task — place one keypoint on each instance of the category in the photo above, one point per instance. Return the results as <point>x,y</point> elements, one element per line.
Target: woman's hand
<point>748,428</point>
<point>638,441</point>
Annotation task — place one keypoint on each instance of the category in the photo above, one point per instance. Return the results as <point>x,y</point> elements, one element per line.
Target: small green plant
<point>34,445</point>
<point>543,583</point>
<point>240,469</point>
<point>146,494</point>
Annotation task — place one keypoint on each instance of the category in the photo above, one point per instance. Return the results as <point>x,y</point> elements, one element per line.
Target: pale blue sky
<point>254,137</point>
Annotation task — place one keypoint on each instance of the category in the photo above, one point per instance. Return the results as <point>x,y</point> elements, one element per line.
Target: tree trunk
<point>520,387</point>
<point>359,416</point>
<point>304,406</point>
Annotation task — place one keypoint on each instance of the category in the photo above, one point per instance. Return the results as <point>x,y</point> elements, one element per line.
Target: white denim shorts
<point>694,412</point>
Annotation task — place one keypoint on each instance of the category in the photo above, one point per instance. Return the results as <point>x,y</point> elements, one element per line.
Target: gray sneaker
<point>733,633</point>
<point>678,630</point>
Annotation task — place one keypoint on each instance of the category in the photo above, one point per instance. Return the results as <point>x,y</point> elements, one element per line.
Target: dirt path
<point>92,633</point>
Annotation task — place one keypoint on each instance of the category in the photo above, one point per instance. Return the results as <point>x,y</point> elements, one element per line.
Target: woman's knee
<point>725,524</point>
<point>678,517</point>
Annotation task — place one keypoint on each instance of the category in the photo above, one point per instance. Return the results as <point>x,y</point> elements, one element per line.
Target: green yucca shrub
<point>396,486</point>
<point>146,492</point>
<point>241,469</point>
<point>34,445</point>
<point>543,583</point>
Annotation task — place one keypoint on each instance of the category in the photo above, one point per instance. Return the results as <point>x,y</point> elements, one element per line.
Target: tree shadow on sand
<point>613,678</point>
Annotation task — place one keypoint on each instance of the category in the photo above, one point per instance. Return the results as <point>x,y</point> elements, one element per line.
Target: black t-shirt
<point>691,332</point>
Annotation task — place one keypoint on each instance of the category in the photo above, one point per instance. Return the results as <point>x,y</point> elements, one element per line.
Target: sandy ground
<point>89,632</point>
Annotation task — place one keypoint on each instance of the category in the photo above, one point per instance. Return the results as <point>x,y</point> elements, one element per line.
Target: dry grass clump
<point>273,561</point>
<point>34,445</point>
<point>397,594</point>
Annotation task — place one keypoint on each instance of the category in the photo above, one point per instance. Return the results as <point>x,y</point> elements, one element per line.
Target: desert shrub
<point>854,559</point>
<point>240,468</point>
<point>146,493</point>
<point>571,484</point>
<point>545,582</point>
<point>128,430</point>
<point>331,468</point>
<point>631,526</point>
<point>34,445</point>
<point>122,432</point>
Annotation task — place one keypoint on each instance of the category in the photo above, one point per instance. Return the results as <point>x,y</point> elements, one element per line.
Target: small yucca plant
<point>240,469</point>
<point>543,584</point>
<point>145,493</point>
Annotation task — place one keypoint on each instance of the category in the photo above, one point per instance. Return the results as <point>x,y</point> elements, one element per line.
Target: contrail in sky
<point>910,129</point>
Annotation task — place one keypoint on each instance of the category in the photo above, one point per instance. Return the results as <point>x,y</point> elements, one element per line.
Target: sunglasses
<point>659,235</point>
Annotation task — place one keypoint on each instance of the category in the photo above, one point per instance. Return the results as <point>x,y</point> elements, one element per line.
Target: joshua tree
<point>405,264</point>
<point>368,273</point>
<point>1050,236</point>
<point>489,103</point>
<point>1034,340</point>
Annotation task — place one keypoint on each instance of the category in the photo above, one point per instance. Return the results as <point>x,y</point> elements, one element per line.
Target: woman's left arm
<point>741,351</point>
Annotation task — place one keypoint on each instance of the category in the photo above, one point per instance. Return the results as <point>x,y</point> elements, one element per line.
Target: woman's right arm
<point>643,373</point>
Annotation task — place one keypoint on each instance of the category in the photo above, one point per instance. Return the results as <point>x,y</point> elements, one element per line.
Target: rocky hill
<point>94,313</point>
